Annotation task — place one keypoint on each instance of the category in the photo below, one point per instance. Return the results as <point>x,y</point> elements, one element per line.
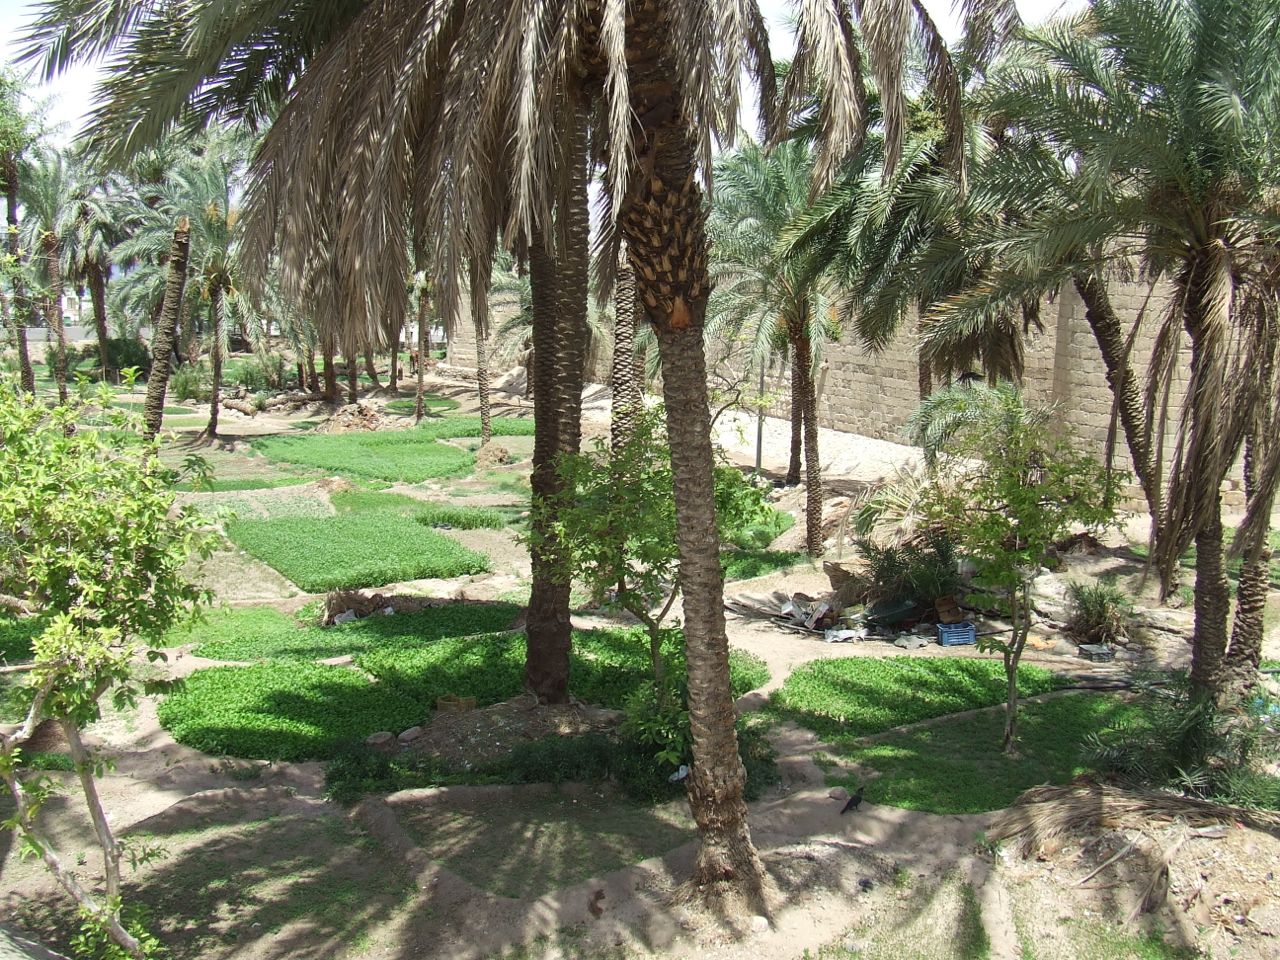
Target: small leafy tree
<point>1006,489</point>
<point>92,546</point>
<point>616,526</point>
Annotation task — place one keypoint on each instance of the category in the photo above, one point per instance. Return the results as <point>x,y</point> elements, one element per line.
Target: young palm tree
<point>16,137</point>
<point>766,296</point>
<point>1167,109</point>
<point>48,195</point>
<point>162,340</point>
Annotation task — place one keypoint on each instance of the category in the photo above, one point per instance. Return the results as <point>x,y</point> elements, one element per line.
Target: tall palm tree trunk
<point>96,276</point>
<point>215,359</point>
<point>663,224</point>
<point>802,350</point>
<point>21,306</point>
<point>795,464</point>
<point>166,324</point>
<point>1244,654</point>
<point>395,359</point>
<point>480,318</point>
<point>1105,325</point>
<point>53,312</point>
<point>327,350</point>
<point>559,288</point>
<point>370,370</point>
<point>309,368</point>
<point>625,386</point>
<point>424,344</point>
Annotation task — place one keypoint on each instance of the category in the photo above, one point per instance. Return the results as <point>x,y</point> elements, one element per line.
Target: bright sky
<point>70,95</point>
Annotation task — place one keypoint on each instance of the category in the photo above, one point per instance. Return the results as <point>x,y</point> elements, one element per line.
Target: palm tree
<point>48,195</point>
<point>15,138</point>
<point>624,376</point>
<point>452,172</point>
<point>1167,110</point>
<point>162,340</point>
<point>770,296</point>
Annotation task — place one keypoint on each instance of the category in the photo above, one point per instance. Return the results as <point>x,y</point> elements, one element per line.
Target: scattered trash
<point>1097,652</point>
<point>347,616</point>
<point>957,634</point>
<point>911,642</point>
<point>948,610</point>
<point>679,775</point>
<point>845,636</point>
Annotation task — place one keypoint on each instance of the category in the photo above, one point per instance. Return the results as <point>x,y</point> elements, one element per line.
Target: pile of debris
<point>354,417</point>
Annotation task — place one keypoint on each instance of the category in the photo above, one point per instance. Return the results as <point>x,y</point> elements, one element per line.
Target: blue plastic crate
<point>957,634</point>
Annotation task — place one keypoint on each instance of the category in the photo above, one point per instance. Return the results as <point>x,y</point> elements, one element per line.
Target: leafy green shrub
<point>746,564</point>
<point>856,696</point>
<point>122,352</point>
<point>462,518</point>
<point>264,633</point>
<point>920,570</point>
<point>1099,612</point>
<point>191,381</point>
<point>17,635</point>
<point>256,374</point>
<point>282,711</point>
<point>1180,742</point>
<point>353,550</point>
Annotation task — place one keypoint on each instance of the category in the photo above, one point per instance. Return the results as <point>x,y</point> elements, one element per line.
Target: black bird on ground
<point>853,802</point>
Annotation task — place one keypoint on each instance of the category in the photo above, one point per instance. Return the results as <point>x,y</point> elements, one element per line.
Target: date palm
<point>16,136</point>
<point>48,193</point>
<point>765,297</point>
<point>1165,111</point>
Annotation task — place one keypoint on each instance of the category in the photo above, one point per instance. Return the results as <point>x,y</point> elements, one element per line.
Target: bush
<point>352,550</point>
<point>1176,741</point>
<point>1099,612</point>
<point>746,564</point>
<point>191,381</point>
<point>920,570</point>
<point>122,352</point>
<point>256,374</point>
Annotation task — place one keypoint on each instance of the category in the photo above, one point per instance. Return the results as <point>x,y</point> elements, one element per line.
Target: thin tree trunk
<point>627,401</point>
<point>1212,605</point>
<point>663,224</point>
<point>924,376</point>
<point>395,359</point>
<point>1110,338</point>
<point>330,369</point>
<point>1244,655</point>
<point>215,359</point>
<point>370,370</point>
<point>53,313</point>
<point>794,466</point>
<point>21,307</point>
<point>97,279</point>
<point>559,287</point>
<point>166,323</point>
<point>480,318</point>
<point>803,354</point>
<point>313,378</point>
<point>353,375</point>
<point>424,343</point>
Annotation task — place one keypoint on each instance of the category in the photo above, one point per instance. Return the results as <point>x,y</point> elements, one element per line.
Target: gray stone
<point>838,793</point>
<point>382,740</point>
<point>410,735</point>
<point>853,945</point>
<point>759,924</point>
<point>346,616</point>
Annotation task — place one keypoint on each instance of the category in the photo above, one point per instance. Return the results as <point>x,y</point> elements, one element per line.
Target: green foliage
<point>1099,611</point>
<point>920,570</point>
<point>16,636</point>
<point>282,710</point>
<point>422,511</point>
<point>942,768</point>
<point>94,942</point>
<point>256,374</point>
<point>365,549</point>
<point>285,709</point>
<point>1181,742</point>
<point>432,403</point>
<point>852,697</point>
<point>746,564</point>
<point>264,633</point>
<point>122,352</point>
<point>396,456</point>
<point>191,381</point>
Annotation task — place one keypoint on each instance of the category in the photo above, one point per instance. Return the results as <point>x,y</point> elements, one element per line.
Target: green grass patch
<point>16,636</point>
<point>395,456</point>
<point>1188,559</point>
<point>422,511</point>
<point>239,484</point>
<point>290,710</point>
<point>137,406</point>
<point>351,550</point>
<point>282,710</point>
<point>852,697</point>
<point>746,564</point>
<point>264,633</point>
<point>959,767</point>
<point>432,403</point>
